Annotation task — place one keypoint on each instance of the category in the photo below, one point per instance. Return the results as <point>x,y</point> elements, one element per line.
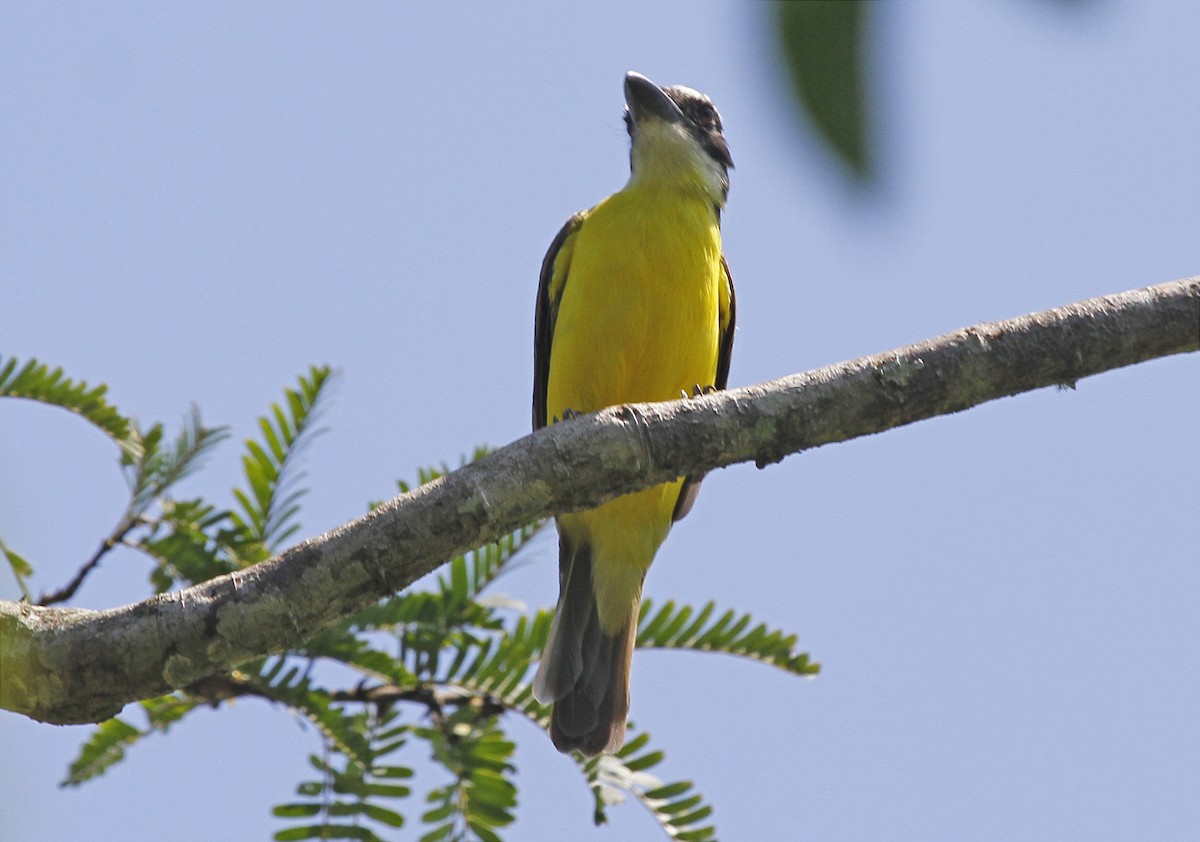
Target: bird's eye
<point>706,116</point>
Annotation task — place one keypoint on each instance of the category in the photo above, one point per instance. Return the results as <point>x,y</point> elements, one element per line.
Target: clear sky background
<point>197,201</point>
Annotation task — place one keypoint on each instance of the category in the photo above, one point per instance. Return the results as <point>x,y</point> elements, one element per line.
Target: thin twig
<point>219,688</point>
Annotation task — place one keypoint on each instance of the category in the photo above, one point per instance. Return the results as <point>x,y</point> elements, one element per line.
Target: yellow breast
<point>639,315</point>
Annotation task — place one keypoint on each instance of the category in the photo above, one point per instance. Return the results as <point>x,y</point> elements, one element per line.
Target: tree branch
<point>69,665</point>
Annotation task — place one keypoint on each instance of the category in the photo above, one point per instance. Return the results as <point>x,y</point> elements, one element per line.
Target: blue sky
<point>199,201</point>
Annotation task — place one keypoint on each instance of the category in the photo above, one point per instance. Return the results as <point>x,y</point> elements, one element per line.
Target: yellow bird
<point>635,303</point>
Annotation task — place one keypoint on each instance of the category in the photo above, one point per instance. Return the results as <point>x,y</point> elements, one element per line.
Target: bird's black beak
<point>646,99</point>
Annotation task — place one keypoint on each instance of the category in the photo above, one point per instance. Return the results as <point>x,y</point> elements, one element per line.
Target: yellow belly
<point>638,321</point>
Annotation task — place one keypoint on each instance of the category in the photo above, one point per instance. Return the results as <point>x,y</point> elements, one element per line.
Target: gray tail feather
<point>584,671</point>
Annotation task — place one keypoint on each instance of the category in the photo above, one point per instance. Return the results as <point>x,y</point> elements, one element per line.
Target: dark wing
<point>728,314</point>
<point>550,289</point>
<point>728,318</point>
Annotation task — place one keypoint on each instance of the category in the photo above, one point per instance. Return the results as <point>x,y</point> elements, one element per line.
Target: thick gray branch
<point>70,665</point>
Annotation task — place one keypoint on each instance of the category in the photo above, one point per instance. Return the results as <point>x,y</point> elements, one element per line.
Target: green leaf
<point>678,806</point>
<point>384,816</point>
<point>387,790</point>
<point>392,772</point>
<point>669,791</point>
<point>823,47</point>
<point>458,579</point>
<point>694,817</point>
<point>21,569</point>
<point>438,834</point>
<point>438,814</point>
<point>634,745</point>
<point>645,761</point>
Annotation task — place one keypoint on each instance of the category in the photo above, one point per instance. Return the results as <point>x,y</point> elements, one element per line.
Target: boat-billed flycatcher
<point>635,304</point>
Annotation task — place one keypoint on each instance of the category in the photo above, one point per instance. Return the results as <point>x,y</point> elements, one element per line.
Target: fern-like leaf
<point>103,749</point>
<point>681,627</point>
<point>111,738</point>
<point>38,382</point>
<point>481,799</point>
<point>270,502</point>
<point>152,468</point>
<point>351,793</point>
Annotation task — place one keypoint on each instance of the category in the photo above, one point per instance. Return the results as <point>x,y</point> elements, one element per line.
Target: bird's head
<point>676,139</point>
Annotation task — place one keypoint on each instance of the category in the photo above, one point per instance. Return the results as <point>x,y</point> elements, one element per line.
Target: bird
<point>635,303</point>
